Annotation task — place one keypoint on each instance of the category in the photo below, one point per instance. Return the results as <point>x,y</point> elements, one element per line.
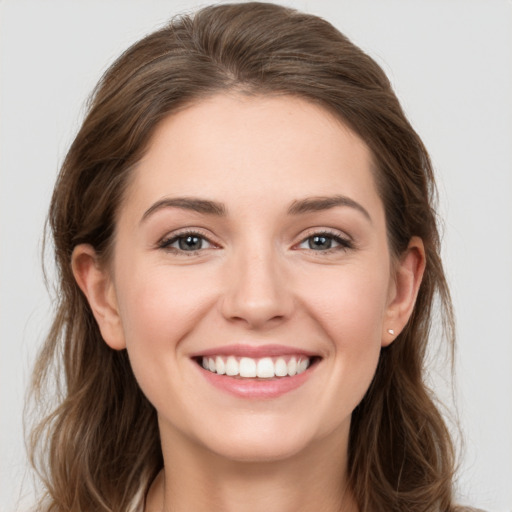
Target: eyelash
<point>344,244</point>
<point>166,243</point>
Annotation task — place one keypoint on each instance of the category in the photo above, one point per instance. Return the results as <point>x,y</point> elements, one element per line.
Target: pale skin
<point>288,246</point>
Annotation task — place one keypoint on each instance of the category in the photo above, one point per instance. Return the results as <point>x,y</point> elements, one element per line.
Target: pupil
<point>190,243</point>
<point>320,242</point>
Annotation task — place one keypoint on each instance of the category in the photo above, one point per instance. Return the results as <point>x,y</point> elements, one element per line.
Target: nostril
<point>257,296</point>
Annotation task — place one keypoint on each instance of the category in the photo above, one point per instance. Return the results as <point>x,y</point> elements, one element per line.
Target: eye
<point>186,242</point>
<point>325,242</point>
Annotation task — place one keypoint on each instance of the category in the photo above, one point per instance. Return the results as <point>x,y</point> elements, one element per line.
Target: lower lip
<point>256,388</point>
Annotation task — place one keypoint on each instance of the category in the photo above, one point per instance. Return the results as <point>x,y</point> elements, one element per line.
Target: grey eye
<point>186,242</point>
<point>325,242</point>
<point>320,242</point>
<point>190,243</point>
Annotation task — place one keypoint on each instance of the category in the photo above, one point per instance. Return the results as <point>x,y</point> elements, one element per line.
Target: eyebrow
<point>204,206</point>
<point>298,207</point>
<point>316,204</point>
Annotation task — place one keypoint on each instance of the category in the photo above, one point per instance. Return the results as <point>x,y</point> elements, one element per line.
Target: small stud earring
<point>391,331</point>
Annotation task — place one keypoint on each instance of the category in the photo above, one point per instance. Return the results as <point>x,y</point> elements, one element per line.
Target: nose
<point>257,294</point>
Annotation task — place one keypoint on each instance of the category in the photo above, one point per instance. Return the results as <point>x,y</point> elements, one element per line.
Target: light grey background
<point>451,64</point>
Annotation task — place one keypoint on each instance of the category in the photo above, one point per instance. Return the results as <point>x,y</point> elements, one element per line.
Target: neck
<point>200,480</point>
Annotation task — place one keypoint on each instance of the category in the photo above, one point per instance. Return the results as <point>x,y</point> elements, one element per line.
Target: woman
<point>248,257</point>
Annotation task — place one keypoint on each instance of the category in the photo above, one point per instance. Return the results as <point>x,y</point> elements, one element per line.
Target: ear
<point>95,282</point>
<point>404,290</point>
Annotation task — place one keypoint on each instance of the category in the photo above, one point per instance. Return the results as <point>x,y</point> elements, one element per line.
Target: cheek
<point>350,304</point>
<point>159,307</point>
<point>158,310</point>
<point>350,310</point>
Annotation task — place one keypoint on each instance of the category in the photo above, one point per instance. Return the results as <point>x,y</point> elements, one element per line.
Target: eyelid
<point>169,238</point>
<point>343,240</point>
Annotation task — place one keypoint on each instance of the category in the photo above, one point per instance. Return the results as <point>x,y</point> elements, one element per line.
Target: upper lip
<point>254,351</point>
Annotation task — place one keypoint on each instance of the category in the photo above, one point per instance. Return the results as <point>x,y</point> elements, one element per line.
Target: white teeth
<point>292,366</point>
<point>302,365</point>
<point>247,367</point>
<point>281,368</point>
<point>220,366</point>
<point>265,368</point>
<point>232,367</point>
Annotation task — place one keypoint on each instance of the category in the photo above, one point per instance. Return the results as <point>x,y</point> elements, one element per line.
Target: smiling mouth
<point>261,368</point>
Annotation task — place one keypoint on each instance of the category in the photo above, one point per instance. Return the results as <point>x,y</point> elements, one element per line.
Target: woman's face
<point>251,236</point>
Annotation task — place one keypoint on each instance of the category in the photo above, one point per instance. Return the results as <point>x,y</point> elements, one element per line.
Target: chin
<point>263,441</point>
<point>258,450</point>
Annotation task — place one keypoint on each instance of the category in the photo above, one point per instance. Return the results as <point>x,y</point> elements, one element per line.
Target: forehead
<point>235,147</point>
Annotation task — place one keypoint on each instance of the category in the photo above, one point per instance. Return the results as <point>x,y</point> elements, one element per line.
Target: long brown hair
<point>98,448</point>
